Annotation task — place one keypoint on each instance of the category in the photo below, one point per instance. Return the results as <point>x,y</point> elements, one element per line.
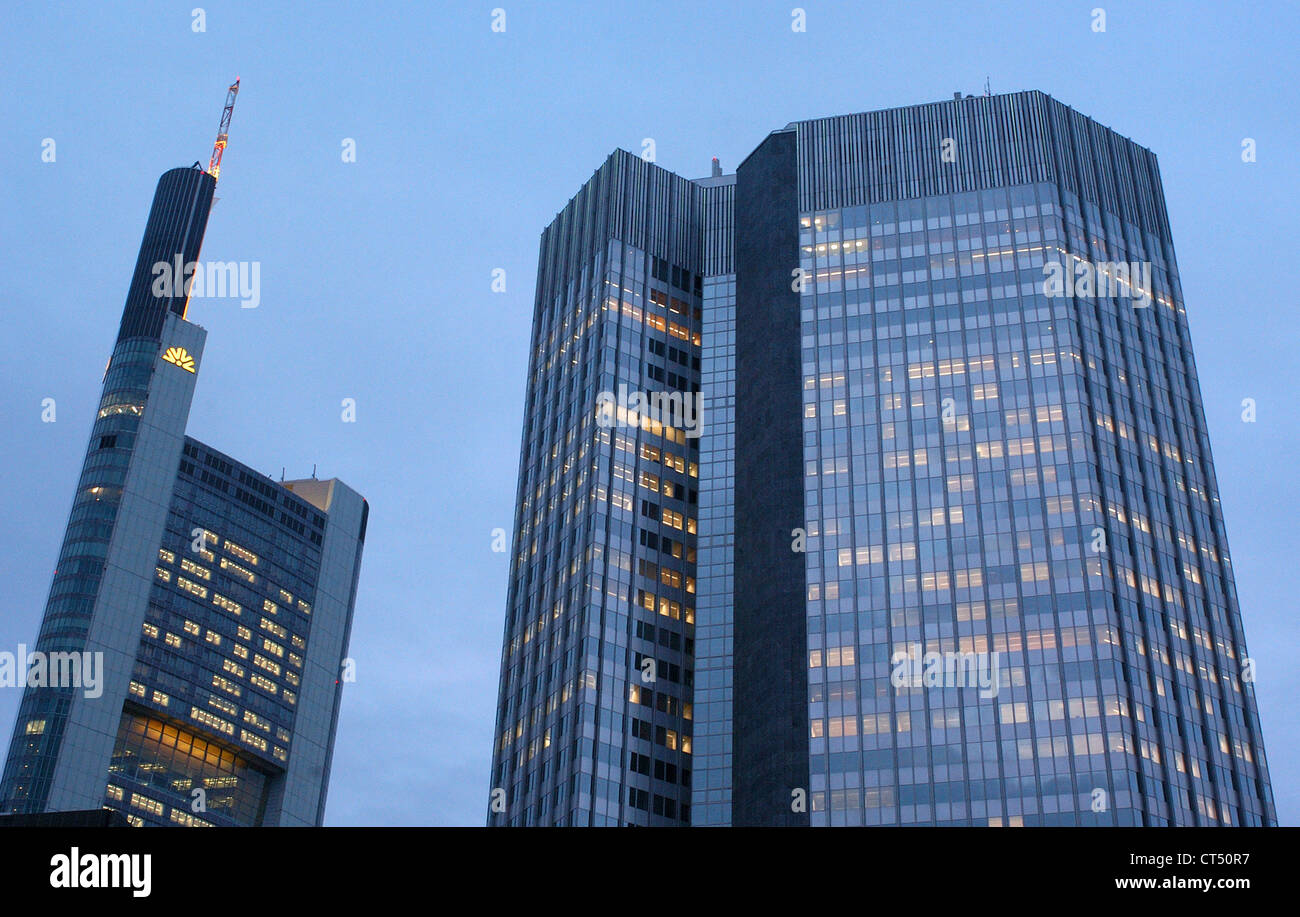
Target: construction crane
<point>214,164</point>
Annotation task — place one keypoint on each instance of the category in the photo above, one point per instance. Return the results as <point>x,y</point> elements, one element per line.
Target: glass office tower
<point>214,603</point>
<point>991,466</point>
<point>961,555</point>
<point>594,724</point>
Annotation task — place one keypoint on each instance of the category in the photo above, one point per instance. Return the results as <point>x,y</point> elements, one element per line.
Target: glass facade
<point>594,724</point>
<point>226,633</point>
<point>1000,471</point>
<point>711,799</point>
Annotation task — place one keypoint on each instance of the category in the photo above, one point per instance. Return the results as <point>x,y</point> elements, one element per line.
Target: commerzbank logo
<point>180,357</point>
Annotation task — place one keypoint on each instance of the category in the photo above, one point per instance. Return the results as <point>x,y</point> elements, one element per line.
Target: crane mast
<point>223,132</point>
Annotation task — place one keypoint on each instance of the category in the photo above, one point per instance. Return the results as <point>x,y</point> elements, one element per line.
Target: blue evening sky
<point>376,275</point>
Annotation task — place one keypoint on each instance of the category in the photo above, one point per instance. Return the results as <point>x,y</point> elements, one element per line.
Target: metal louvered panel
<point>999,140</point>
<point>719,215</point>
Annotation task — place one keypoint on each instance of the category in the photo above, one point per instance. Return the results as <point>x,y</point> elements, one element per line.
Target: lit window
<point>242,553</point>
<point>278,629</point>
<point>190,566</point>
<point>212,720</point>
<point>147,804</point>
<point>191,587</point>
<point>236,570</point>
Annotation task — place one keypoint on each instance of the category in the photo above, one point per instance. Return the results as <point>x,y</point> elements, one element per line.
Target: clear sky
<point>376,274</point>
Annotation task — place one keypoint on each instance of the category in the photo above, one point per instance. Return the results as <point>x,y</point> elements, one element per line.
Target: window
<point>191,587</point>
<point>242,553</point>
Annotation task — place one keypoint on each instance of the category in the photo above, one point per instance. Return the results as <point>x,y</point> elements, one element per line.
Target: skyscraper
<point>961,555</point>
<point>594,719</point>
<point>200,611</point>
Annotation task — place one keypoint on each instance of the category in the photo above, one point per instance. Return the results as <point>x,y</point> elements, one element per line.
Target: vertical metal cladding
<point>1002,140</point>
<point>719,228</point>
<point>174,233</point>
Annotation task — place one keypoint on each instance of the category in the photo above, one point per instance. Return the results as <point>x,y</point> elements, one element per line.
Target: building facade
<point>961,558</point>
<point>213,603</point>
<point>593,726</point>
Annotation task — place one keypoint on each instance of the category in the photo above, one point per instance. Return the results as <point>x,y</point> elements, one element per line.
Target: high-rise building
<point>188,665</point>
<point>595,698</point>
<point>961,558</point>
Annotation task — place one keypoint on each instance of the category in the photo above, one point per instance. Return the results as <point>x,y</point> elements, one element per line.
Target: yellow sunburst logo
<point>181,357</point>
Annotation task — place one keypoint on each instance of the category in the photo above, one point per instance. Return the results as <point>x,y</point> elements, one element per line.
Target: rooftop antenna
<point>988,89</point>
<point>223,132</point>
<point>313,471</point>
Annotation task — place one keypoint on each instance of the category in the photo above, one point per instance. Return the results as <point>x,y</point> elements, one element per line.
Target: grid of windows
<point>993,471</point>
<point>209,655</point>
<point>713,684</point>
<point>595,716</point>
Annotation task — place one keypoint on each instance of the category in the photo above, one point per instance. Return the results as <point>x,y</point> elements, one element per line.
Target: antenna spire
<point>223,132</point>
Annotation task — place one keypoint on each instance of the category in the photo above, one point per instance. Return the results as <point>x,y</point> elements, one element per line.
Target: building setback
<point>915,450</point>
<point>218,600</point>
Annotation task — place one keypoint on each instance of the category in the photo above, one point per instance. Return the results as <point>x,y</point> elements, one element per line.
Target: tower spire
<point>223,132</point>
